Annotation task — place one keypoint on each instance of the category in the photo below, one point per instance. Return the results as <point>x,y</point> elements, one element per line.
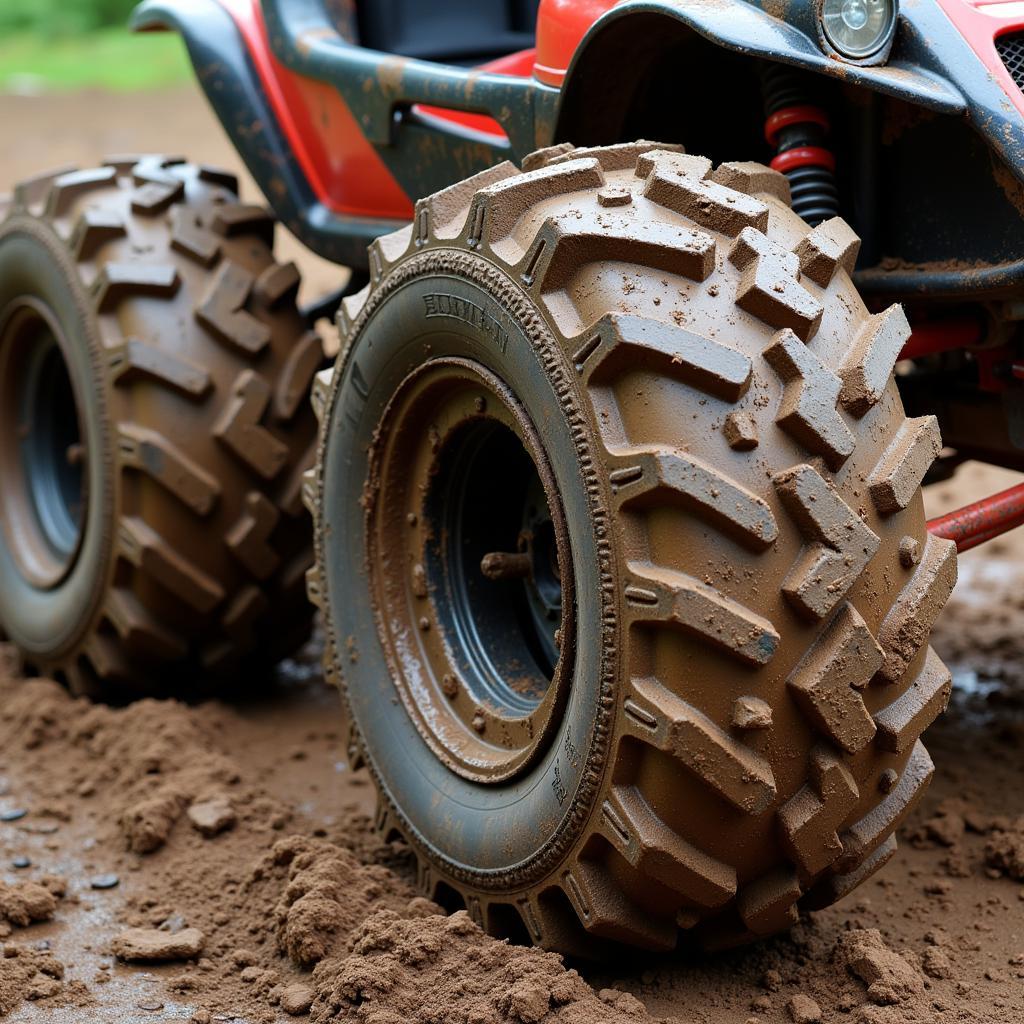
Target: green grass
<point>105,59</point>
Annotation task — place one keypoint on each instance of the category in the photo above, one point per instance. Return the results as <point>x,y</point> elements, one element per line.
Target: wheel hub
<point>471,569</point>
<point>42,455</point>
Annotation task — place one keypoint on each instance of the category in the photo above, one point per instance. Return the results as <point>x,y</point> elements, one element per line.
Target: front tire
<point>671,369</point>
<point>153,431</point>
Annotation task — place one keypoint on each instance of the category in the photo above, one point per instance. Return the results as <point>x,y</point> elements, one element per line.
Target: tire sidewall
<point>514,832</point>
<point>51,621</point>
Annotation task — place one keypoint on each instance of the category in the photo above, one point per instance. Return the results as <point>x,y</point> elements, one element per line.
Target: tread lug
<point>670,598</point>
<point>605,911</point>
<point>620,342</point>
<point>119,281</point>
<point>296,376</point>
<point>153,454</point>
<point>684,184</point>
<point>154,197</point>
<point>554,257</point>
<point>838,544</point>
<point>829,247</point>
<point>143,547</point>
<point>827,681</point>
<point>134,360</point>
<point>92,230</point>
<point>497,208</point>
<point>233,219</point>
<point>807,411</point>
<point>238,427</point>
<point>902,722</point>
<point>738,774</point>
<point>191,239</point>
<point>248,538</point>
<point>898,475</point>
<point>864,837</point>
<point>280,281</point>
<point>221,311</point>
<point>31,193</point>
<point>754,179</point>
<point>768,287</point>
<point>673,476</point>
<point>658,852</point>
<point>906,627</point>
<point>217,176</point>
<point>866,370</point>
<point>769,904</point>
<point>139,630</point>
<point>442,216</point>
<point>624,156</point>
<point>320,391</point>
<point>541,157</point>
<point>67,188</point>
<point>810,820</point>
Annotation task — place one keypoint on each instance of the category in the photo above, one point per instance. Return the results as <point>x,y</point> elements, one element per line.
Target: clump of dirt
<point>21,903</point>
<point>433,969</point>
<point>890,978</point>
<point>1004,850</point>
<point>154,757</point>
<point>201,890</point>
<point>33,974</point>
<point>325,893</point>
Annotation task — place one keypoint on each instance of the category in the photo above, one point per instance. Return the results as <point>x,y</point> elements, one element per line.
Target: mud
<point>244,824</point>
<point>130,911</point>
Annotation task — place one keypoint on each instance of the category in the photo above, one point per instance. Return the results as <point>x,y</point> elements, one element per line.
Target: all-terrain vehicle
<point>617,534</point>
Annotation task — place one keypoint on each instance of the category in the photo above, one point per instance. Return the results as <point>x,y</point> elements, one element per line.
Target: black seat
<point>449,31</point>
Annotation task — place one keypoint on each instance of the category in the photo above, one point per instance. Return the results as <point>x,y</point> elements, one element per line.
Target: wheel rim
<point>471,570</point>
<point>42,453</point>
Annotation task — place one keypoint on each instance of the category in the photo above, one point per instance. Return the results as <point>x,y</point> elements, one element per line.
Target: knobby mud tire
<point>763,581</point>
<point>191,365</point>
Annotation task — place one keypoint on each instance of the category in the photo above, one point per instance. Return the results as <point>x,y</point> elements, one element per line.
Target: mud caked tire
<point>174,375</point>
<point>731,730</point>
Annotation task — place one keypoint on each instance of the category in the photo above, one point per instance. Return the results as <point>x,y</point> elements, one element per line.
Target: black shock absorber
<point>797,130</point>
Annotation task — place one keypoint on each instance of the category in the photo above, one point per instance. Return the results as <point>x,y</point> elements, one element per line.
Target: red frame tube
<point>981,520</point>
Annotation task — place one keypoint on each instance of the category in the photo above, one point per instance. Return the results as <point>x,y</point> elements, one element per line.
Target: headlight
<point>858,28</point>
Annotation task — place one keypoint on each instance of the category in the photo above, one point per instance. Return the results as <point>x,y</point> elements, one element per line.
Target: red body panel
<point>342,168</point>
<point>980,22</point>
<point>561,24</point>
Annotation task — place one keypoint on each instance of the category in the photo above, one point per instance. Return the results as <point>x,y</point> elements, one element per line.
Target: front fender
<point>931,65</point>
<point>745,27</point>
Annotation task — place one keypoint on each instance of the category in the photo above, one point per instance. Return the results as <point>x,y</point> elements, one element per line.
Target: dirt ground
<point>240,834</point>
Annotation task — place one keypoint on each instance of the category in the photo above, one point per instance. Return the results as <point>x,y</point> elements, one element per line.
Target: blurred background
<point>76,86</point>
<point>74,44</point>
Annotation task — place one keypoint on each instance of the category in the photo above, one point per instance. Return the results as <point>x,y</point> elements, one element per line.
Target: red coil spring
<point>797,132</point>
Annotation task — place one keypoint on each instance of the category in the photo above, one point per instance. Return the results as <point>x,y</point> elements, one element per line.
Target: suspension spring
<point>797,130</point>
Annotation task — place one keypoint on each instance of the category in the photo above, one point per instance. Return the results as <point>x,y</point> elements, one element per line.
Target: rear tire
<point>730,728</point>
<point>153,371</point>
